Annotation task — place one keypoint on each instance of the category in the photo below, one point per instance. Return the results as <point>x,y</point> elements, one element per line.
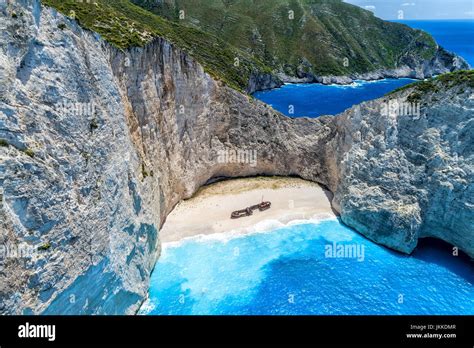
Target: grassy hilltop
<point>318,38</point>
<point>258,33</point>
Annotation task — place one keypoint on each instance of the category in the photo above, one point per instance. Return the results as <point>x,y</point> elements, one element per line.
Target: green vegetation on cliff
<point>126,25</point>
<point>300,37</point>
<point>235,39</point>
<point>437,83</point>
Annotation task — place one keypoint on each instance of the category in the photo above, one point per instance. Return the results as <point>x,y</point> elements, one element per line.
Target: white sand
<point>208,212</point>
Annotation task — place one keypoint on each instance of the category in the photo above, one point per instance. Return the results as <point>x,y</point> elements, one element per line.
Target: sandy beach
<point>208,212</point>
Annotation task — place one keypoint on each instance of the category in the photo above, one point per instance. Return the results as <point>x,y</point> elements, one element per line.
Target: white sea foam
<point>265,226</point>
<point>354,84</point>
<point>147,307</point>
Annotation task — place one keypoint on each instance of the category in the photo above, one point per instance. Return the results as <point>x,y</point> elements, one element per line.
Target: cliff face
<point>261,46</point>
<point>407,173</point>
<point>100,144</point>
<point>73,199</point>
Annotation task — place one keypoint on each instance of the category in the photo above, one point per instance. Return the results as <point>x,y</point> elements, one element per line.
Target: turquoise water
<point>288,271</point>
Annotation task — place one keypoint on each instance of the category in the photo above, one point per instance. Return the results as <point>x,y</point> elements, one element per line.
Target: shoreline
<point>207,214</point>
<point>265,226</point>
<point>353,83</point>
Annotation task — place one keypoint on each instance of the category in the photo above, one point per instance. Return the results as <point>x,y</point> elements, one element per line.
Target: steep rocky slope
<point>86,186</point>
<point>408,173</point>
<point>256,45</point>
<point>314,40</point>
<point>126,25</point>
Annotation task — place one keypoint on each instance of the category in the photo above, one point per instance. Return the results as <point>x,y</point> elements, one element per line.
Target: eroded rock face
<point>86,186</point>
<point>73,197</point>
<point>409,175</point>
<point>98,146</point>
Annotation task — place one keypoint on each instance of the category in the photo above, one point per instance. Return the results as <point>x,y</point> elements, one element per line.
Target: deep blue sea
<point>313,100</point>
<point>289,271</point>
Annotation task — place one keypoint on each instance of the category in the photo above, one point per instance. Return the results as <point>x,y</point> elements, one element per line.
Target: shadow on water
<point>441,253</point>
<point>436,251</point>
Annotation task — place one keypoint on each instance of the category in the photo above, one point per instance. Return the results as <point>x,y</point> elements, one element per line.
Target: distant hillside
<point>252,45</point>
<point>322,34</point>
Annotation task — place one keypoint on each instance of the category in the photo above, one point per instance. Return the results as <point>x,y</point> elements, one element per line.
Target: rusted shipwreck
<point>249,210</point>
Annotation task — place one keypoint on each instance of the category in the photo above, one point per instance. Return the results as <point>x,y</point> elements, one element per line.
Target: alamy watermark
<point>76,109</point>
<point>14,251</point>
<point>350,251</point>
<point>91,2</point>
<point>396,107</point>
<point>241,156</point>
<point>37,331</point>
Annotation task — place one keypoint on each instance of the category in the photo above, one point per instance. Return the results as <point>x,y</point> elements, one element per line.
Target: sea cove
<point>314,99</point>
<point>316,266</point>
<point>133,148</point>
